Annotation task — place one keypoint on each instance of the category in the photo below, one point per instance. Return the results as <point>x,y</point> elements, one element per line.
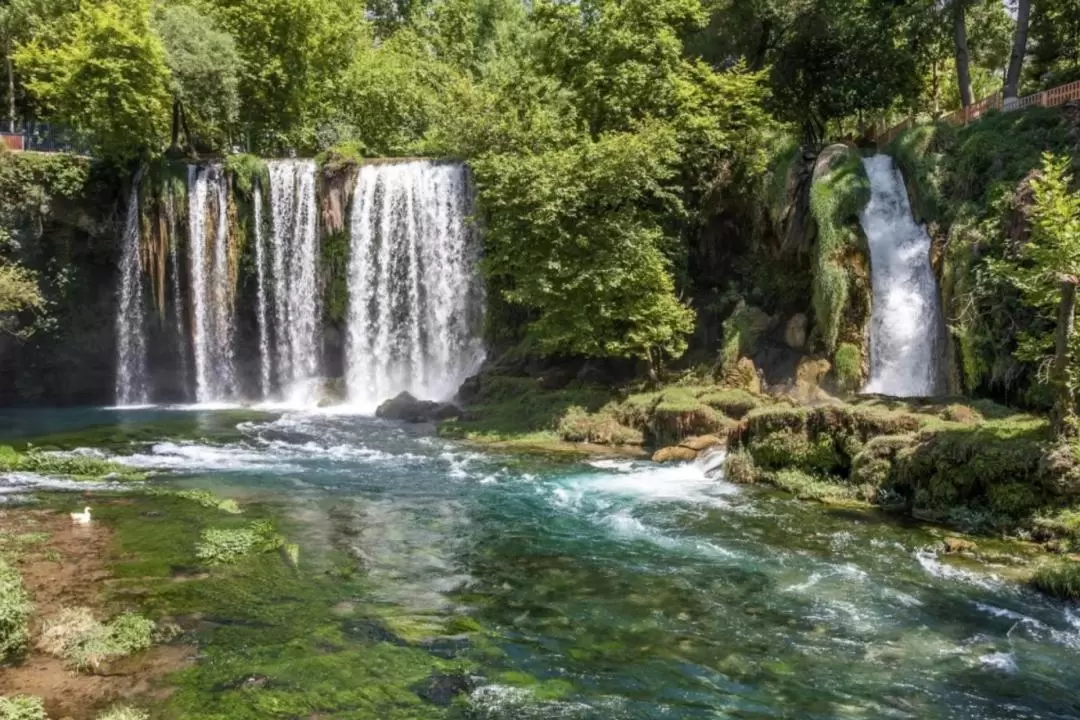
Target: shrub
<point>15,609</point>
<point>1062,581</point>
<point>78,637</point>
<point>219,546</point>
<point>601,428</point>
<point>22,707</point>
<point>733,403</point>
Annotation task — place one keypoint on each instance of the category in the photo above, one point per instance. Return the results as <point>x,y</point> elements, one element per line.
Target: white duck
<point>82,518</point>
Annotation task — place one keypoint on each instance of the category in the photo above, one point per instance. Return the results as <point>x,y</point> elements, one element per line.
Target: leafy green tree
<point>1047,273</point>
<point>571,239</point>
<point>205,67</point>
<point>101,71</point>
<point>294,55</point>
<point>1055,42</point>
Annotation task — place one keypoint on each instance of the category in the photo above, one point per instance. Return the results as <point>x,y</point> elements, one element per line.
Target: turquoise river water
<point>638,591</point>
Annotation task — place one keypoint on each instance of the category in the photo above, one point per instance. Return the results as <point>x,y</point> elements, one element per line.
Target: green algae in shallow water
<point>15,608</point>
<point>75,467</point>
<point>271,644</point>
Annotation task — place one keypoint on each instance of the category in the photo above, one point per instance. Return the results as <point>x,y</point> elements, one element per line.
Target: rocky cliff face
<point>60,217</point>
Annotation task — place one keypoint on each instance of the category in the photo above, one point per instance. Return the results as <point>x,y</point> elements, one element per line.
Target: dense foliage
<point>623,150</point>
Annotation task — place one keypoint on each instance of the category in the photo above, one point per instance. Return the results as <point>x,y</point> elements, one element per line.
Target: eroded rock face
<point>795,331</point>
<point>678,453</point>
<point>406,408</point>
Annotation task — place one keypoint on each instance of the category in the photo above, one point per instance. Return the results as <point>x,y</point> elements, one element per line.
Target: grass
<point>15,609</point>
<point>124,712</point>
<point>76,636</point>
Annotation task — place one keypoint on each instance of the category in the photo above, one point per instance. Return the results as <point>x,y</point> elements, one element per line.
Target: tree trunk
<point>757,62</point>
<point>1019,50</point>
<point>1064,413</point>
<point>11,86</point>
<point>963,63</point>
<point>174,146</point>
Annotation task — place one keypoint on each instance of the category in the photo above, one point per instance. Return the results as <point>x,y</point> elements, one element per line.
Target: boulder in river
<point>407,408</point>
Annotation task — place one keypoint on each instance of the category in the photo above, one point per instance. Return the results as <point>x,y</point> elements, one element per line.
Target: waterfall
<point>211,287</point>
<point>906,321</point>
<point>131,377</point>
<point>177,291</point>
<point>413,297</point>
<point>266,366</point>
<point>297,351</point>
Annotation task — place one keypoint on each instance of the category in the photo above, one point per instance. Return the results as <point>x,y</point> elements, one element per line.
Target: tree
<point>963,62</point>
<point>570,238</point>
<point>1019,50</point>
<point>1047,272</point>
<point>1055,42</point>
<point>294,53</point>
<point>101,72</point>
<point>204,68</point>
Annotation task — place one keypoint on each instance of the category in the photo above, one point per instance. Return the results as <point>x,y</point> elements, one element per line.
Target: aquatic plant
<point>15,608</point>
<point>221,546</point>
<point>75,467</point>
<point>207,499</point>
<point>1061,581</point>
<point>22,707</point>
<point>77,636</point>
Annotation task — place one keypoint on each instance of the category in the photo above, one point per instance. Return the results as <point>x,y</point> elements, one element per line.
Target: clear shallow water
<point>650,592</point>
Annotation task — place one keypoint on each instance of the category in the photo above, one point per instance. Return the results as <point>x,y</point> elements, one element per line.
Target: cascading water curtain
<point>213,328</point>
<point>414,295</point>
<point>906,321</point>
<point>297,303</point>
<point>266,366</point>
<point>132,382</point>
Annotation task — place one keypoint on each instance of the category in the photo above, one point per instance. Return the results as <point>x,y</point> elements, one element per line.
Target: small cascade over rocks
<point>296,351</point>
<point>906,322</point>
<point>414,300</point>
<point>213,326</point>
<point>132,384</point>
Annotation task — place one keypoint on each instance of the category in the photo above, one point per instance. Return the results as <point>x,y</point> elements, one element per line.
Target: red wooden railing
<point>14,141</point>
<point>1047,98</point>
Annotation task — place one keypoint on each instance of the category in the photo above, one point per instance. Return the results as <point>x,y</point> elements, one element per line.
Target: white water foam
<point>933,566</point>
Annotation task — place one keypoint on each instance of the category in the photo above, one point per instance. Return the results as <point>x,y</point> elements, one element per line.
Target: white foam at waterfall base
<point>906,317</point>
